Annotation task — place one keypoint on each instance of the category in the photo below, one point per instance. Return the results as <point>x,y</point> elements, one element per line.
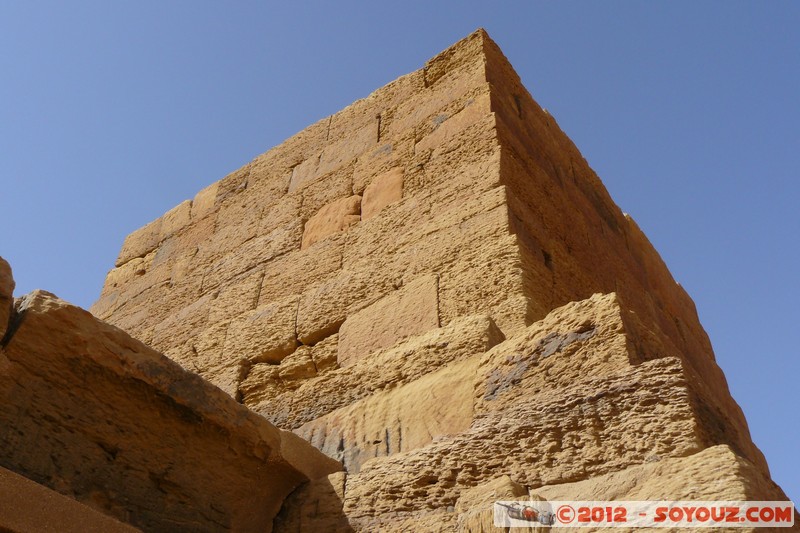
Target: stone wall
<point>433,287</point>
<point>95,415</point>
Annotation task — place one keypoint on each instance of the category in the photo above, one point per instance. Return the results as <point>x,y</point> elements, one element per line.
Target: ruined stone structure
<point>432,288</point>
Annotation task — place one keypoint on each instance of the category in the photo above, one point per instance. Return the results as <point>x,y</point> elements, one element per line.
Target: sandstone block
<point>449,89</point>
<point>715,473</point>
<point>253,253</point>
<point>280,213</point>
<point>392,152</point>
<point>325,306</point>
<point>326,190</point>
<point>209,347</point>
<point>411,310</point>
<point>236,297</point>
<point>183,455</point>
<point>333,218</point>
<point>304,173</point>
<point>204,200</point>
<point>299,270</point>
<point>384,190</point>
<point>297,365</point>
<point>261,384</point>
<point>475,506</point>
<point>232,184</point>
<point>140,242</point>
<point>176,219</point>
<point>348,148</point>
<point>269,179</point>
<point>473,111</point>
<point>181,327</point>
<point>577,434</point>
<point>397,420</point>
<point>406,362</point>
<point>324,353</point>
<point>273,169</point>
<point>266,334</point>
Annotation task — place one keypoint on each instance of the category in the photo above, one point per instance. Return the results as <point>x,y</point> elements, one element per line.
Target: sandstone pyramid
<point>431,287</point>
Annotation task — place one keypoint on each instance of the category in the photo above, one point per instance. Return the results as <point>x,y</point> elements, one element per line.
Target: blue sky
<point>113,112</point>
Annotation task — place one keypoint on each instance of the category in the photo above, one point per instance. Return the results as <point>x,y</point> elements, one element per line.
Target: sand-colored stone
<point>384,190</point>
<point>203,202</point>
<point>96,415</point>
<point>397,420</point>
<point>176,219</point>
<point>411,310</point>
<point>715,473</point>
<point>266,334</point>
<point>442,227</point>
<point>316,506</point>
<point>475,507</point>
<point>140,242</point>
<point>333,218</point>
<point>404,363</point>
<point>28,507</point>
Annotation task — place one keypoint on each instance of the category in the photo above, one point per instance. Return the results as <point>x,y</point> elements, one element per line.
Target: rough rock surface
<point>433,287</point>
<point>28,507</point>
<point>96,415</point>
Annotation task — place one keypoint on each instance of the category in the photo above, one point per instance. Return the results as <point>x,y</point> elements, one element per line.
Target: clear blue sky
<point>113,112</point>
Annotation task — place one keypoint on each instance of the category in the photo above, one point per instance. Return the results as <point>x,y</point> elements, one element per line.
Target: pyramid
<point>434,289</point>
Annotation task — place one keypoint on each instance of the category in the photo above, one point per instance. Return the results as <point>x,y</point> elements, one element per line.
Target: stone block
<point>384,190</point>
<point>253,253</point>
<point>236,297</point>
<point>96,415</point>
<point>326,190</point>
<point>176,219</point>
<point>397,420</point>
<point>348,148</point>
<point>333,218</point>
<point>391,152</point>
<point>411,310</point>
<point>473,111</point>
<point>304,173</point>
<point>141,242</point>
<point>297,271</point>
<point>204,201</point>
<point>29,507</point>
<point>266,334</point>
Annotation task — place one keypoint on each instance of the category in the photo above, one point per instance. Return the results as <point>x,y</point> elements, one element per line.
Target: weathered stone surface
<point>176,219</point>
<point>204,201</point>
<point>715,473</point>
<point>32,508</point>
<point>433,286</point>
<point>266,334</point>
<point>6,296</point>
<point>384,190</point>
<point>407,361</point>
<point>397,420</point>
<point>316,506</point>
<point>411,310</point>
<point>333,218</point>
<point>140,242</point>
<point>475,507</point>
<point>96,415</point>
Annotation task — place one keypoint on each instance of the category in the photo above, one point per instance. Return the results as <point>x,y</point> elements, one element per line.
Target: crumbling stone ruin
<point>412,308</point>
